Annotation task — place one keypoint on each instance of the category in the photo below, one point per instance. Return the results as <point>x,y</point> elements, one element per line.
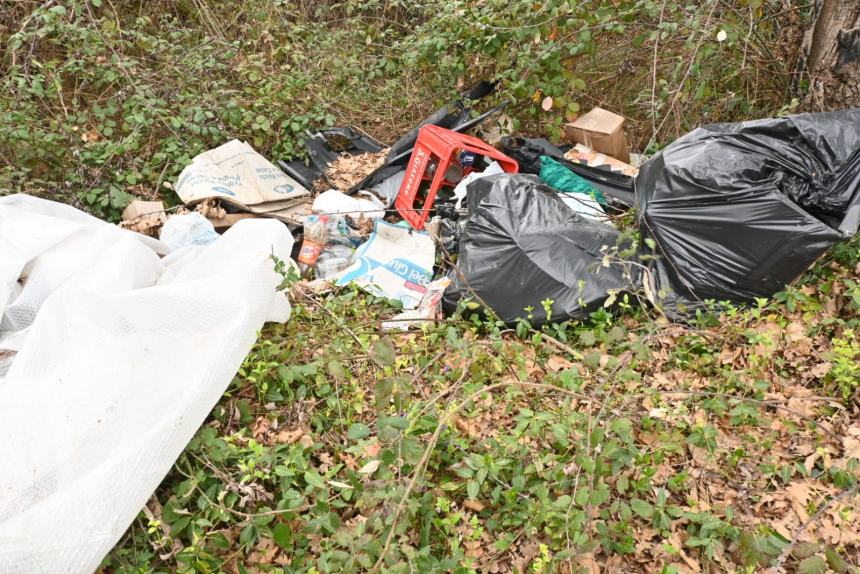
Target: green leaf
<point>282,534</point>
<point>358,431</point>
<point>383,389</point>
<point>837,563</point>
<point>382,353</point>
<point>473,487</point>
<point>178,526</point>
<point>314,479</point>
<point>96,3</point>
<point>804,550</point>
<point>337,370</point>
<point>812,565</point>
<point>642,508</point>
<point>248,536</point>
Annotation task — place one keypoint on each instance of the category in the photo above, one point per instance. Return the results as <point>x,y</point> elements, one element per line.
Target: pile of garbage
<point>126,336</point>
<point>527,228</point>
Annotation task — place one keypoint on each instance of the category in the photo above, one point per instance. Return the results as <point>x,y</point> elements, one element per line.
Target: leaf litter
<point>726,446</point>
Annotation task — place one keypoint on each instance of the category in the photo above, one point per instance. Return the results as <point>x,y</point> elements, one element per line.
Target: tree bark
<point>830,56</point>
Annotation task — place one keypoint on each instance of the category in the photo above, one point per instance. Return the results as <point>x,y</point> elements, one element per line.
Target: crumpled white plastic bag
<point>120,357</point>
<point>334,202</point>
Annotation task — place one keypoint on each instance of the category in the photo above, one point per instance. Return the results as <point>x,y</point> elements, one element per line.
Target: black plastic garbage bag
<point>737,211</point>
<point>522,245</point>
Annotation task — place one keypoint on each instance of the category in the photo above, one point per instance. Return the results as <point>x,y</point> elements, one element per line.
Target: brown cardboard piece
<point>140,208</point>
<point>236,175</point>
<point>602,131</point>
<point>145,217</point>
<point>583,154</point>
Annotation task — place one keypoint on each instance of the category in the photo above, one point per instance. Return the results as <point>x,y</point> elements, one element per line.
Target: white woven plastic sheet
<point>121,354</point>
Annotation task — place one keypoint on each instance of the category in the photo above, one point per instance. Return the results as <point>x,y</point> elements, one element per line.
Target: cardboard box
<point>602,131</point>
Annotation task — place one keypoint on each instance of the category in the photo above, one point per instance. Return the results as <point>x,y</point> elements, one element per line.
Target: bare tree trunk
<point>830,55</point>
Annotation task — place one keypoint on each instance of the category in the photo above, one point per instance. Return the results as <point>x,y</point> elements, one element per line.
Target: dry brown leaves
<point>265,555</point>
<point>348,170</point>
<point>558,363</point>
<point>267,432</point>
<point>147,224</point>
<point>210,208</point>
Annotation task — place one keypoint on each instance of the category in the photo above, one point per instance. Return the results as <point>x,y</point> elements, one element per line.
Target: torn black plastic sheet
<point>325,146</point>
<point>737,211</point>
<point>522,245</point>
<point>527,151</point>
<point>395,164</point>
<point>448,116</point>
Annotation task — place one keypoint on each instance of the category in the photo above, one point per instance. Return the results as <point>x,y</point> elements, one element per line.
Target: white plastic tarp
<point>121,354</point>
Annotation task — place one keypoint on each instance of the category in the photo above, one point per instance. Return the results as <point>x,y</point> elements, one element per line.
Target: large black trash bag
<point>521,245</point>
<point>737,211</point>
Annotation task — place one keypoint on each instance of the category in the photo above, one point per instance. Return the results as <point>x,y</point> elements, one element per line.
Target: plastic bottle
<point>316,236</point>
<point>333,259</point>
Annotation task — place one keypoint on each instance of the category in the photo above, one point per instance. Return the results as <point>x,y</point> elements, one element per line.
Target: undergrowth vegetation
<point>105,100</point>
<point>618,444</point>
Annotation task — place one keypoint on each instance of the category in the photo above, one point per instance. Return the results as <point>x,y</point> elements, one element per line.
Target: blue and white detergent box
<point>396,262</point>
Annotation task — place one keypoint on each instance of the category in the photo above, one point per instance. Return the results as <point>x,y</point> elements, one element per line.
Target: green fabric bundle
<point>562,179</point>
